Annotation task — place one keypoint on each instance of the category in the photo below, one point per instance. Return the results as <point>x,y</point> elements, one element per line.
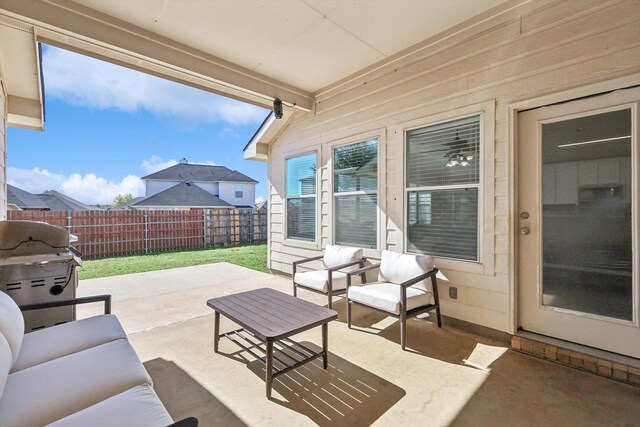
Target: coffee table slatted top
<point>271,315</point>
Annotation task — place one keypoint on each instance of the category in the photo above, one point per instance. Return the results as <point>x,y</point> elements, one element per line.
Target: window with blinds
<point>301,197</point>
<point>442,185</point>
<point>355,192</point>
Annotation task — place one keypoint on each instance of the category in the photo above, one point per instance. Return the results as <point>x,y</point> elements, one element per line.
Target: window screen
<point>301,197</point>
<point>443,177</point>
<point>355,189</point>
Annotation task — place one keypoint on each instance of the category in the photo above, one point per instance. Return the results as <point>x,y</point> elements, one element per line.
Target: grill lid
<point>31,237</point>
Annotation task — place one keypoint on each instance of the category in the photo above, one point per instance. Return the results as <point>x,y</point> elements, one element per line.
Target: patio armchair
<point>331,279</point>
<point>406,287</point>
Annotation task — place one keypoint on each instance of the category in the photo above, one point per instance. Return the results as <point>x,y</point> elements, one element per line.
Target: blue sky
<point>107,126</point>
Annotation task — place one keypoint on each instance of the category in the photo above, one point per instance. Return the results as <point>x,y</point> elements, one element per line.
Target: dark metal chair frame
<point>404,314</point>
<point>330,292</point>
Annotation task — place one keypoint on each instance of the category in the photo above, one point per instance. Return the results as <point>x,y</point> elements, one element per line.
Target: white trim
<point>486,186</point>
<point>514,108</point>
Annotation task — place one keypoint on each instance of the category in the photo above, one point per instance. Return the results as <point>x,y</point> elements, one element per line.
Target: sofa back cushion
<point>398,268</point>
<point>11,324</point>
<point>5,362</point>
<point>339,255</point>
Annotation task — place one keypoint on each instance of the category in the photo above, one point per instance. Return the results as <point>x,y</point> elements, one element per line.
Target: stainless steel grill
<point>38,264</point>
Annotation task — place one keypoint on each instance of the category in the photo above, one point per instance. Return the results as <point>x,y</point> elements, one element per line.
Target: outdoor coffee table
<point>271,317</point>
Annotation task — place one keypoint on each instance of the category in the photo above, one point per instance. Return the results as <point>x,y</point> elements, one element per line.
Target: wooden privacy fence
<point>127,232</point>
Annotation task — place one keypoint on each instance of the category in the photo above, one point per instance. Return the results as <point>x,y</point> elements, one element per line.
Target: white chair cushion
<point>5,362</point>
<point>398,268</point>
<point>339,255</point>
<point>135,407</point>
<point>319,280</point>
<point>50,343</point>
<point>53,390</point>
<point>11,324</point>
<point>386,296</point>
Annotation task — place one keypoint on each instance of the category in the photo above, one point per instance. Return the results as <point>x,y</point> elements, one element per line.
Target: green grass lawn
<point>254,257</point>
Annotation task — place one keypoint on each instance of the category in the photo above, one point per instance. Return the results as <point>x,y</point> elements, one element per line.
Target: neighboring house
<point>20,200</point>
<point>50,200</point>
<point>193,186</point>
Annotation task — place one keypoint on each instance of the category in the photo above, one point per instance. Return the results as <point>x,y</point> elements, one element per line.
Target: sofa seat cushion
<point>61,340</point>
<point>319,280</point>
<point>5,362</point>
<point>11,324</point>
<point>138,406</point>
<point>386,296</point>
<point>53,390</point>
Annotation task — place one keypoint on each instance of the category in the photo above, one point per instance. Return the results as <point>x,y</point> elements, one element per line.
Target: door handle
<point>525,230</point>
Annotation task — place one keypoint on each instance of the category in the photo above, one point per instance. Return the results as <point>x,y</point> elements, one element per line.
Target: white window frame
<point>301,243</point>
<point>335,195</point>
<point>434,188</point>
<point>241,191</point>
<point>381,135</point>
<point>486,203</point>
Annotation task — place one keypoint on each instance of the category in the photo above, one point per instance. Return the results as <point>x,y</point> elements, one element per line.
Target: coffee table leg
<point>269,368</point>
<point>216,331</point>
<point>325,345</point>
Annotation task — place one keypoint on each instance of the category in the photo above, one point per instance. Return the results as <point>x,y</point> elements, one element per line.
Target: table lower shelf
<point>287,353</point>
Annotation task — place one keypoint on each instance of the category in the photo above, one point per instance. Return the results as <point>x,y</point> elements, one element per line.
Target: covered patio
<point>447,377</point>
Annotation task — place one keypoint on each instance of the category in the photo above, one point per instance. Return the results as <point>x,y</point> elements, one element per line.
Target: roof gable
<point>181,195</point>
<point>61,202</point>
<point>24,199</point>
<point>201,173</point>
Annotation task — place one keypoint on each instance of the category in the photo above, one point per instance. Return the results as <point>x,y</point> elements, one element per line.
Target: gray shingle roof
<point>207,173</point>
<point>61,202</point>
<point>23,199</point>
<point>183,194</point>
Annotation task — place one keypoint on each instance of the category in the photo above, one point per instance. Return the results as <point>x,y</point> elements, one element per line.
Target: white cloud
<point>259,200</point>
<point>90,188</point>
<point>156,163</point>
<point>85,81</point>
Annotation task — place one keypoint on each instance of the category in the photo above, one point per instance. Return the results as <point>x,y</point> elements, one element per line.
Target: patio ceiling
<point>305,43</point>
<point>250,50</point>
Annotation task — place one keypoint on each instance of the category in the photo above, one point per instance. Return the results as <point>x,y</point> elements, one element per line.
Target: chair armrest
<point>349,264</point>
<point>75,301</point>
<point>313,258</point>
<point>362,270</point>
<point>187,422</point>
<point>419,278</point>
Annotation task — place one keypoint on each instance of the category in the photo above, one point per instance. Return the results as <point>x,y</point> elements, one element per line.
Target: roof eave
<point>258,146</point>
<point>20,57</point>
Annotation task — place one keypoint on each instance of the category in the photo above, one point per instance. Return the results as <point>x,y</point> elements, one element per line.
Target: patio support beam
<point>76,27</point>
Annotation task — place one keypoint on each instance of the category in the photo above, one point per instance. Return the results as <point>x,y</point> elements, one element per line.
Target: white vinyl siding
<point>355,191</point>
<point>442,182</point>
<point>301,197</point>
<point>533,50</point>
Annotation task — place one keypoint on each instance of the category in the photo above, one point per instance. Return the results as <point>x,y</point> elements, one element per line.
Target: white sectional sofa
<point>82,373</point>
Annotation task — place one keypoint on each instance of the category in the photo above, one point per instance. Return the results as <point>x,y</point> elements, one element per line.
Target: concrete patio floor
<point>370,381</point>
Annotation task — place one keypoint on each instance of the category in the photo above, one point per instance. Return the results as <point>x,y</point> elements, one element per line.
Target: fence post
<point>146,232</point>
<point>204,228</point>
<point>69,221</point>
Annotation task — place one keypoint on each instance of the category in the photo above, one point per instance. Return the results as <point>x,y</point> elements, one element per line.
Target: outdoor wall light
<point>277,108</point>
